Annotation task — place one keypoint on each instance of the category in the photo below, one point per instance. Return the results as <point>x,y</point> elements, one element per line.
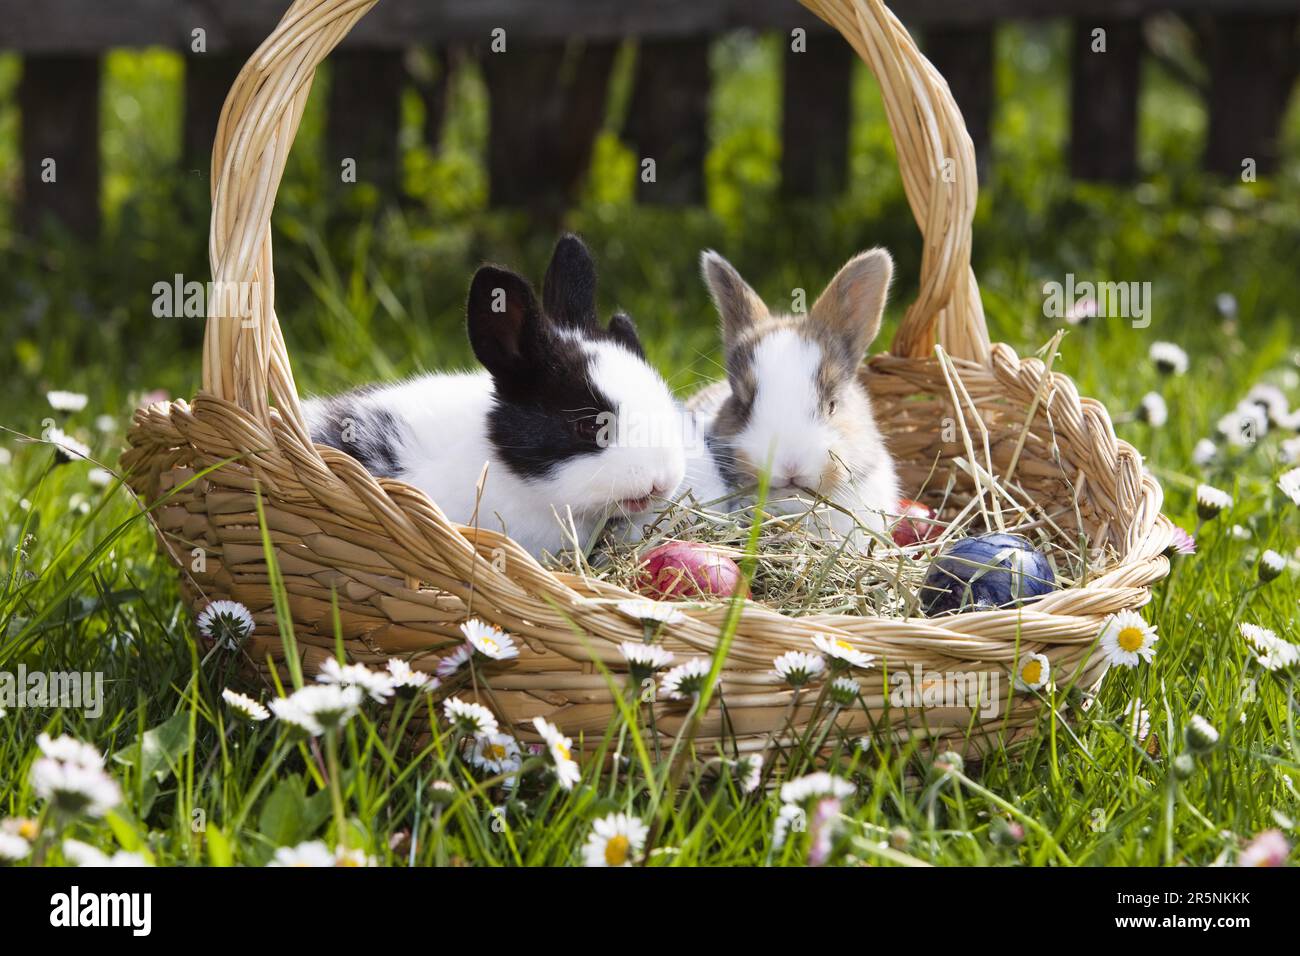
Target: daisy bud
<point>1210,502</point>
<point>1180,543</point>
<point>1153,410</point>
<point>1269,848</point>
<point>900,837</point>
<point>1201,735</point>
<point>1168,358</point>
<point>949,761</point>
<point>844,691</point>
<point>1184,766</point>
<point>1271,566</point>
<point>441,792</point>
<point>1006,832</point>
<point>1226,303</point>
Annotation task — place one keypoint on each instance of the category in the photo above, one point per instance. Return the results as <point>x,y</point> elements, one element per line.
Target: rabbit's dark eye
<point>830,408</point>
<point>586,428</point>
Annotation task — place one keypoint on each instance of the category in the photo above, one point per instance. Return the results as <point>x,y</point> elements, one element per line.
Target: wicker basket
<point>405,576</point>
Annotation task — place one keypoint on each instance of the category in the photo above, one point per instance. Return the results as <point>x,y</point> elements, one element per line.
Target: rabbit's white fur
<point>793,404</point>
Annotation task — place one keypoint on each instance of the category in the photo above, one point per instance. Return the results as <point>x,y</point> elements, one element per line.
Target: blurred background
<point>1170,155</point>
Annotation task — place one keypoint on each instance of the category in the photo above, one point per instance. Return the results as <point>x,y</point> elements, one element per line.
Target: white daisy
<point>314,853</point>
<point>469,717</point>
<point>13,847</point>
<point>686,680</point>
<point>1272,399</point>
<point>105,423</point>
<point>344,857</point>
<point>245,706</point>
<point>655,612</point>
<point>492,642</point>
<point>496,753</point>
<point>377,684</point>
<point>1210,501</point>
<point>1168,358</point>
<point>1204,453</point>
<point>1153,410</point>
<point>317,708</point>
<point>842,654</point>
<point>1270,651</point>
<point>69,750</point>
<point>1289,482</point>
<point>644,659</point>
<point>1136,719</point>
<point>560,749</point>
<point>450,663</point>
<point>405,677</point>
<point>66,447</point>
<point>1033,672</point>
<point>227,622</point>
<point>99,477</point>
<point>83,854</point>
<point>24,827</point>
<point>6,456</point>
<point>615,840</point>
<point>1127,639</point>
<point>1271,565</point>
<point>815,785</point>
<point>799,667</point>
<point>845,690</point>
<point>1201,735</point>
<point>788,817</point>
<point>749,771</point>
<point>66,401</point>
<point>75,786</point>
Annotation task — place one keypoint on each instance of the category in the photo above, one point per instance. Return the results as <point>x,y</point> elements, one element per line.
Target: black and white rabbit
<point>568,415</point>
<point>792,400</point>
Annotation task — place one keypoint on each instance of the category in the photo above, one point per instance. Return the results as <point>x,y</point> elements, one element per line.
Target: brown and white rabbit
<point>561,414</point>
<point>792,402</point>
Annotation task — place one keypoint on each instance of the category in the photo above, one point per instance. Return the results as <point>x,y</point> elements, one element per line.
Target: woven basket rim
<point>248,406</point>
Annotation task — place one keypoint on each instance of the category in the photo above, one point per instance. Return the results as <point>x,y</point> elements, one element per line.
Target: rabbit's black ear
<point>623,331</point>
<point>569,289</point>
<point>504,320</point>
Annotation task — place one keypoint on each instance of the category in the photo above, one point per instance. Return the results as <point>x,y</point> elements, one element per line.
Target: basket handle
<point>244,355</point>
<point>937,162</point>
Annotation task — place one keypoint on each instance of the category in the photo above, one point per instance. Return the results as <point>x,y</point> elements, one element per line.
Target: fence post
<point>58,98</point>
<point>963,54</point>
<point>668,119</point>
<point>546,104</point>
<point>365,114</point>
<point>208,78</point>
<point>816,107</point>
<point>1104,99</point>
<point>1253,61</point>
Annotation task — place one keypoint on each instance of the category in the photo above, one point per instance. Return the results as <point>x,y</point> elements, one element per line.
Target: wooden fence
<point>547,90</point>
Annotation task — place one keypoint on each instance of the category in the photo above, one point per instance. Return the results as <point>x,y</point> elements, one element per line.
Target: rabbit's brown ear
<point>738,305</point>
<point>849,311</point>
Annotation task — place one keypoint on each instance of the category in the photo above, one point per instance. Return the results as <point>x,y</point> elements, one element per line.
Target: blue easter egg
<point>985,572</point>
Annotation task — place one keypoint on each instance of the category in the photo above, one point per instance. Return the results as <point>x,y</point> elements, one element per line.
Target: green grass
<point>366,292</point>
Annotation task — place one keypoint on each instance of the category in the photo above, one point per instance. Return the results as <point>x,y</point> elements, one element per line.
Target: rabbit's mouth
<point>635,505</point>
